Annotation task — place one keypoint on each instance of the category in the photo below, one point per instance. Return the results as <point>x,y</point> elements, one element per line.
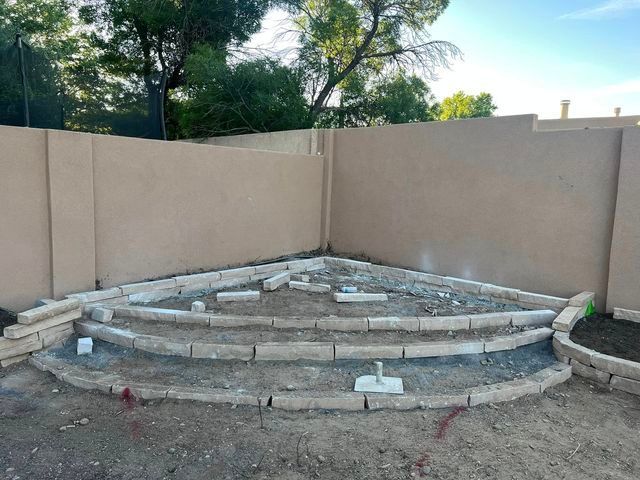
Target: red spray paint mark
<point>417,469</point>
<point>445,423</point>
<point>129,402</point>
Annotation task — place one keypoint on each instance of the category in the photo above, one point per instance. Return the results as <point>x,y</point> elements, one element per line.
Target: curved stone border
<point>307,400</point>
<point>320,351</point>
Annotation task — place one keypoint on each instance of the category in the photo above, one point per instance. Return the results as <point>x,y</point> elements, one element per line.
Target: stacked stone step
<point>38,328</point>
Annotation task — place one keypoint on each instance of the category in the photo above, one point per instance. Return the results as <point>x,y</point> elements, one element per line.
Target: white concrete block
<point>85,346</point>
<point>271,284</point>
<point>100,314</point>
<point>310,287</point>
<point>198,306</point>
<point>360,297</point>
<point>248,296</point>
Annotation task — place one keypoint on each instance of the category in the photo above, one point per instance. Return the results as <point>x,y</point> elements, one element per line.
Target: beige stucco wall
<point>291,141</point>
<point>624,270</point>
<point>588,122</point>
<point>483,199</point>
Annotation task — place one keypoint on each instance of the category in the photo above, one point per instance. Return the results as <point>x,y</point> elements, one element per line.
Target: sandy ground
<point>574,431</point>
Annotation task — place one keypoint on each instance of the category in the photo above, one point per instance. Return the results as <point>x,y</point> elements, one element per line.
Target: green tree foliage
<point>461,105</point>
<point>249,97</point>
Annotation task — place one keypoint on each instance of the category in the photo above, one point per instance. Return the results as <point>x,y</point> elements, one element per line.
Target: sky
<point>530,54</point>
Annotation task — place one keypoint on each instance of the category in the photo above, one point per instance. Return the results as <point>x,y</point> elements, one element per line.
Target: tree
<point>253,96</point>
<point>461,105</point>
<point>338,37</point>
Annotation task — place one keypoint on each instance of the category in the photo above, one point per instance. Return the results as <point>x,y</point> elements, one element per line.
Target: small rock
<point>234,406</point>
<point>171,450</point>
<point>382,450</point>
<point>553,463</point>
<point>63,429</point>
<point>426,470</point>
<point>171,469</point>
<point>450,333</point>
<point>321,459</point>
<point>55,390</point>
<point>9,470</point>
<point>84,421</point>
<point>198,306</point>
<point>34,450</point>
<point>291,388</point>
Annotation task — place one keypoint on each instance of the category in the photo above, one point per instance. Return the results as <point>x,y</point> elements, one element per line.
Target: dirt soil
<point>404,300</point>
<point>576,430</point>
<point>604,334</point>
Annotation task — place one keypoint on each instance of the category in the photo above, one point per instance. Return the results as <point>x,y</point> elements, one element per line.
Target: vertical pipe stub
<point>616,111</point>
<point>564,109</point>
<point>378,371</point>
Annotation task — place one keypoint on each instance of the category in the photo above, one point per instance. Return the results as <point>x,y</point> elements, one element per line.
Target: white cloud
<point>607,9</point>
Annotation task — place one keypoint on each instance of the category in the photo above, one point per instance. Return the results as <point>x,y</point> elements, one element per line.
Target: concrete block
<point>424,278</point>
<point>498,344</point>
<point>625,314</point>
<point>87,308</point>
<point>442,349</point>
<point>117,336</point>
<point>85,346</point>
<point>20,349</point>
<point>237,273</point>
<point>239,321</point>
<point>145,391</point>
<point>457,322</point>
<point>10,361</point>
<point>212,395</point>
<point>616,366</point>
<point>310,287</point>
<point>591,373</point>
<point>567,347</point>
<point>53,335</point>
<point>198,306</point>
<point>490,320</point>
<point>359,297</point>
<point>353,266</point>
<point>91,380</point>
<point>294,351</point>
<point>294,322</point>
<point>163,346</point>
<point>497,291</point>
<point>344,324</point>
<point>539,299</point>
<point>319,401</point>
<point>568,318</point>
<point>387,272</point>
<point>225,351</point>
<point>408,324</point>
<point>377,401</point>
<point>271,267</point>
<point>197,279</point>
<point>47,311</point>
<point>298,277</point>
<point>19,330</point>
<point>195,318</point>
<point>625,384</point>
<point>561,358</point>
<point>43,301</point>
<point>87,328</point>
<point>368,351</point>
<point>272,283</point>
<point>248,296</point>
<point>262,276</point>
<point>502,392</point>
<point>533,318</point>
<point>551,376</point>
<point>97,296</point>
<point>155,295</point>
<point>144,287</point>
<point>533,336</point>
<point>229,283</point>
<point>316,268</point>
<point>462,285</point>
<point>582,299</point>
<point>102,315</point>
<point>147,313</point>
<point>7,343</point>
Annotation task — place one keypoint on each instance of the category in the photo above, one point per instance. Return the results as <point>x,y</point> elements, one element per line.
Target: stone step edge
<point>390,323</point>
<point>321,351</point>
<point>616,372</point>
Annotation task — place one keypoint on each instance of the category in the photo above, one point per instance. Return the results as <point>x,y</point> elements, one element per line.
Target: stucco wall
<point>291,141</point>
<point>483,199</point>
<point>588,122</point>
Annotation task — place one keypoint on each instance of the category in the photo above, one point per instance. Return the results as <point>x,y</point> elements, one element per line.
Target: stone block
<point>20,349</point>
<point>616,366</point>
<point>272,283</point>
<point>147,313</point>
<point>224,351</point>
<point>7,343</point>
<point>84,346</point>
<point>354,266</point>
<point>490,320</point>
<point>294,351</point>
<point>47,311</point>
<point>197,279</point>
<point>239,321</point>
<point>533,318</point>
<point>539,299</point>
<point>360,297</point>
<point>424,278</point>
<point>241,272</point>
<point>294,322</point>
<point>319,401</point>
<point>117,336</point>
<point>145,391</point>
<point>561,358</point>
<point>43,301</point>
<point>91,380</point>
<point>625,384</point>
<point>87,328</point>
<point>262,276</point>
<point>343,324</point>
<point>229,283</point>
<point>195,318</point>
<point>344,352</point>
<point>87,308</point>
<point>19,330</point>
<point>144,287</point>
<point>497,291</point>
<point>591,373</point>
<point>163,346</point>
<point>155,295</point>
<point>533,336</point>
<point>4,363</point>
<point>310,287</point>
<point>102,315</point>
<point>248,296</point>
<point>457,322</point>
<point>388,272</point>
<point>377,401</point>
<point>625,314</point>
<point>462,285</point>
<point>442,349</point>
<point>567,347</point>
<point>498,344</point>
<point>316,268</point>
<point>298,277</point>
<point>502,392</point>
<point>582,299</point>
<point>270,267</point>
<point>198,306</point>
<point>98,295</point>
<point>212,395</point>
<point>551,376</point>
<point>408,324</point>
<point>53,335</point>
<point>568,318</point>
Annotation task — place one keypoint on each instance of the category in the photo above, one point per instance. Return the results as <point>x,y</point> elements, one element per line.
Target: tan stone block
<point>7,343</point>
<point>568,318</point>
<point>18,330</point>
<point>273,282</point>
<point>591,373</point>
<point>143,287</point>
<point>343,324</point>
<point>533,318</point>
<point>248,296</point>
<point>201,349</point>
<point>87,328</point>
<point>91,380</point>
<point>490,320</point>
<point>424,278</point>
<point>561,358</point>
<point>197,279</point>
<point>237,273</point>
<point>12,360</point>
<point>539,299</point>
<point>97,296</point>
<point>442,349</point>
<point>47,311</point>
<point>625,314</point>
<point>498,344</point>
<point>387,272</point>
<point>109,303</point>
<point>53,335</point>
<point>145,391</point>
<point>294,351</point>
<point>163,346</point>
<point>294,322</point>
<point>359,297</point>
<point>147,313</point>
<point>567,347</point>
<point>408,324</point>
<point>117,336</point>
<point>616,366</point>
<point>103,315</point>
<point>502,392</point>
<point>196,318</point>
<point>354,266</point>
<point>497,291</point>
<point>462,285</point>
<point>20,349</point>
<point>155,295</point>
<point>457,322</point>
<point>239,320</point>
<point>368,351</point>
<point>212,395</point>
<point>263,276</point>
<point>533,336</point>
<point>625,384</point>
<point>310,287</point>
<point>551,376</point>
<point>582,299</point>
<point>271,267</point>
<point>377,401</point>
<point>319,401</point>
